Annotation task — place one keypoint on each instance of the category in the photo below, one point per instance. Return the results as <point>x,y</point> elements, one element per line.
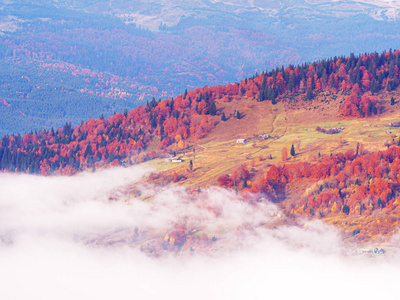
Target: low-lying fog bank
<point>67,238</point>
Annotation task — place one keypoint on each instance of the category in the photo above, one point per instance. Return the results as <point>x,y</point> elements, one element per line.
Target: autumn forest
<point>356,182</point>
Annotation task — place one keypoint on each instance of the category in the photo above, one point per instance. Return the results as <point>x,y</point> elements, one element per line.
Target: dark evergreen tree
<point>88,151</point>
<point>312,83</point>
<point>153,123</point>
<point>223,117</point>
<point>292,82</point>
<point>263,94</point>
<point>213,109</point>
<point>309,95</point>
<point>238,115</point>
<point>333,83</point>
<point>346,209</point>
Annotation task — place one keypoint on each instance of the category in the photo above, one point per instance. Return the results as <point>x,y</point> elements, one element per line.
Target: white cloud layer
<point>49,249</point>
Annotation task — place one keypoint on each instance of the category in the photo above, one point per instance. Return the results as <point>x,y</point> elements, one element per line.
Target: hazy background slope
<point>114,55</point>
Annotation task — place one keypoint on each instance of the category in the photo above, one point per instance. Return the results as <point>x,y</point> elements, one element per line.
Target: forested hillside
<point>153,127</point>
<point>38,95</point>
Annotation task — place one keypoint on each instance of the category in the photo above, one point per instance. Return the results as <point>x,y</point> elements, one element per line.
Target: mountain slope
<point>37,94</point>
<point>175,122</point>
<point>321,142</point>
<point>198,43</point>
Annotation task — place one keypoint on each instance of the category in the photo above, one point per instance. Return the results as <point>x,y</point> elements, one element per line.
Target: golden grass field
<point>218,153</point>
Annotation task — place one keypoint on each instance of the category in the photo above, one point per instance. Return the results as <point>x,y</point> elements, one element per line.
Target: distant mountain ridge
<point>151,13</point>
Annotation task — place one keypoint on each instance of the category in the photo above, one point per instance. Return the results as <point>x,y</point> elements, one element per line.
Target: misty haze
<point>53,233</point>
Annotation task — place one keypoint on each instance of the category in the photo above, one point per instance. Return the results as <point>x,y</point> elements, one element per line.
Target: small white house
<point>174,159</point>
<point>241,141</point>
<point>177,160</point>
